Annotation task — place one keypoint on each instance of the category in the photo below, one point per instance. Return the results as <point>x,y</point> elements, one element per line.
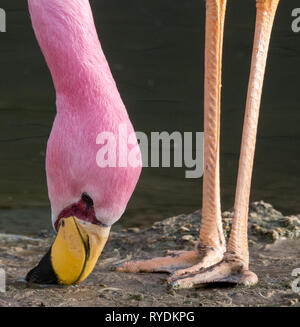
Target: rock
<point>293,301</point>
<point>253,215</point>
<point>184,229</point>
<point>188,238</point>
<point>133,230</point>
<point>227,214</point>
<point>274,235</point>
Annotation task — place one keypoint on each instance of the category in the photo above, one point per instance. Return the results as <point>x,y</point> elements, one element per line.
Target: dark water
<point>155,50</point>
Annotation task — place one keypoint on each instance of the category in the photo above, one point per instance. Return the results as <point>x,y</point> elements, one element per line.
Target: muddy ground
<point>274,248</point>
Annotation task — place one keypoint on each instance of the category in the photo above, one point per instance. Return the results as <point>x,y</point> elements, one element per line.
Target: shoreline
<point>274,242</point>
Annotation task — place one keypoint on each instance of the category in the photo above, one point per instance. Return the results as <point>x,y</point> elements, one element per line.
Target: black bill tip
<point>43,273</point>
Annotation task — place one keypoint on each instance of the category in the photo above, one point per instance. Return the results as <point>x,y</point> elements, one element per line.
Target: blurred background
<point>156,53</point>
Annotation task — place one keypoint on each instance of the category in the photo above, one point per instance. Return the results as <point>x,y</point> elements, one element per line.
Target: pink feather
<point>88,103</point>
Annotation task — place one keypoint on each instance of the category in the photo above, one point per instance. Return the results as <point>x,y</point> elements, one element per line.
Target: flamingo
<point>211,261</point>
<point>85,199</point>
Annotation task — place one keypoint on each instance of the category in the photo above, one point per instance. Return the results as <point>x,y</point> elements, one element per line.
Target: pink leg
<point>234,267</point>
<point>211,247</point>
<point>207,264</point>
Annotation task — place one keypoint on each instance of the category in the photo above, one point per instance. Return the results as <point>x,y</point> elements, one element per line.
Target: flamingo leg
<point>208,263</point>
<point>234,268</point>
<point>211,246</point>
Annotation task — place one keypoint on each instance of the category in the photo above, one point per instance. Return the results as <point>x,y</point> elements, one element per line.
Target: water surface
<point>155,50</point>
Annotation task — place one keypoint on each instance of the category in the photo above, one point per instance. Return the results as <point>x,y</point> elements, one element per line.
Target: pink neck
<point>67,36</point>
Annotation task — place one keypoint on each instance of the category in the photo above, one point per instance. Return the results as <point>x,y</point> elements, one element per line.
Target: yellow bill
<point>73,254</point>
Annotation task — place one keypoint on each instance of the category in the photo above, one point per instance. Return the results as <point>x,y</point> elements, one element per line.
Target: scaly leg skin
<point>176,263</point>
<point>211,247</point>
<point>234,267</point>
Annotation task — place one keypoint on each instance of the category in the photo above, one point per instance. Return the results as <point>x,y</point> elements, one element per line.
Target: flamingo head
<point>86,198</point>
